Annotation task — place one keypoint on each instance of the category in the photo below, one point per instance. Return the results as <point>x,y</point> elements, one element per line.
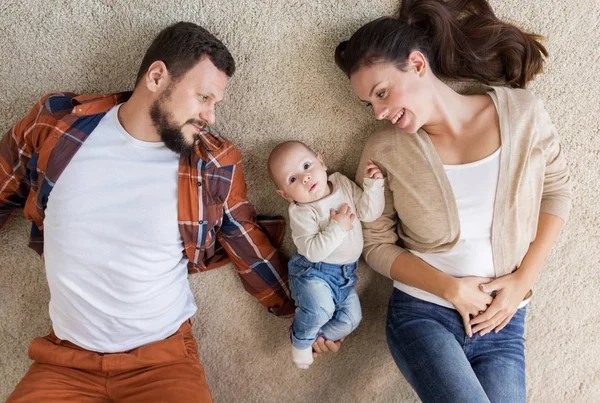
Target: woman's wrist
<point>451,290</point>
<point>522,280</point>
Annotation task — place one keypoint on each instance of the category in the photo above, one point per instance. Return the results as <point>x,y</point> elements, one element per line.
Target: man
<point>127,194</point>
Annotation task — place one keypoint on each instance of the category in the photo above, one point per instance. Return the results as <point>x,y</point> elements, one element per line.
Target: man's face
<point>186,106</point>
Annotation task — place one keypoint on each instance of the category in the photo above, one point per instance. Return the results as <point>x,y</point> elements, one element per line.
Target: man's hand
<point>372,171</point>
<point>345,217</point>
<point>322,346</point>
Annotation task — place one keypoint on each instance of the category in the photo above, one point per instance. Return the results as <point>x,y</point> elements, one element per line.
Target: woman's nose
<point>381,113</point>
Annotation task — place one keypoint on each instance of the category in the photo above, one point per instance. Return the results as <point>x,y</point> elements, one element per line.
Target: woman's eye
<point>292,179</point>
<point>369,105</point>
<point>380,94</point>
<point>306,165</point>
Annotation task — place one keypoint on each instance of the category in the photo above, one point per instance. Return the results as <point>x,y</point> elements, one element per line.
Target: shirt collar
<point>85,105</point>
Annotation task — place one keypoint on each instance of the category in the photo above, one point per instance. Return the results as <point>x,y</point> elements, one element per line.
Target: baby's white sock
<point>302,358</point>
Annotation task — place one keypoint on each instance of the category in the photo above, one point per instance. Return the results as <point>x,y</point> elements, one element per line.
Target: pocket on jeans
<point>190,346</point>
<point>405,302</point>
<point>517,322</point>
<point>298,267</point>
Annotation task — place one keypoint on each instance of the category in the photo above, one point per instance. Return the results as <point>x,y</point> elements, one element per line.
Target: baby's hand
<point>372,171</point>
<point>345,217</point>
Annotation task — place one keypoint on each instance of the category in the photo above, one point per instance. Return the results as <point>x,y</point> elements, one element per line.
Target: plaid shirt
<point>37,149</point>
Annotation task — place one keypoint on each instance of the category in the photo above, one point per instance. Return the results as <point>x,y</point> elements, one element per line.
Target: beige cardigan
<point>420,210</point>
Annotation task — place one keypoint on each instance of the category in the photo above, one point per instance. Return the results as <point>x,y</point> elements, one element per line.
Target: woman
<point>477,192</point>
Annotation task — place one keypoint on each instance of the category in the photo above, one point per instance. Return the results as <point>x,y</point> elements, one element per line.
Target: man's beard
<point>170,133</point>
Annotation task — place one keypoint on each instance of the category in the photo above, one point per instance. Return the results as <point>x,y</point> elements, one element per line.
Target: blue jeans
<point>327,303</point>
<point>430,347</point>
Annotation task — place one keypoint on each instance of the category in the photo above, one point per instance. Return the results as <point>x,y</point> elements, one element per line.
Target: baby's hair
<point>280,148</point>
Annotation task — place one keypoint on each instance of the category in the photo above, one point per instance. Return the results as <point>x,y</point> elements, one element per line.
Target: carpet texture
<point>288,87</point>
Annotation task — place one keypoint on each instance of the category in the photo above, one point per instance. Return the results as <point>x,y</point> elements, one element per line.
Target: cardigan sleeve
<point>380,249</point>
<point>557,191</point>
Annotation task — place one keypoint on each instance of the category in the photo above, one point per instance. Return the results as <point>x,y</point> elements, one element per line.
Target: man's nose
<point>208,116</point>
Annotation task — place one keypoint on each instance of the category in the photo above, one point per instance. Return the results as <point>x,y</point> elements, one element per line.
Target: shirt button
<point>199,184</point>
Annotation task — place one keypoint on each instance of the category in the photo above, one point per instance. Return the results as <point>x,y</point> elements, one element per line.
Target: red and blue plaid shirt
<point>34,153</point>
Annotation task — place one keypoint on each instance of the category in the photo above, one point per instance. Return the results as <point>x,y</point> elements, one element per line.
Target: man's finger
<point>318,345</point>
<point>332,346</point>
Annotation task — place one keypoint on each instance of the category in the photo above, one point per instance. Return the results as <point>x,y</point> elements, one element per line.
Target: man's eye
<point>292,179</point>
<point>306,165</point>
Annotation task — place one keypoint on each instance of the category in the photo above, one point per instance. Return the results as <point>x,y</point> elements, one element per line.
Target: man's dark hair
<point>181,45</point>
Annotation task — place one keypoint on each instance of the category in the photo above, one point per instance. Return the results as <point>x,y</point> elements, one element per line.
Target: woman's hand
<point>510,291</point>
<point>468,298</point>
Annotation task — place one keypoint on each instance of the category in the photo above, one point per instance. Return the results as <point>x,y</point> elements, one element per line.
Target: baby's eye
<point>306,165</point>
<point>292,179</point>
<point>202,98</point>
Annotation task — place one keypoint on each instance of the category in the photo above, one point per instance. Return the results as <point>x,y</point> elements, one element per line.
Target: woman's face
<point>402,97</point>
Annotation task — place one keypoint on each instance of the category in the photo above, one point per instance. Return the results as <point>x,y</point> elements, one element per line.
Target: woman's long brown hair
<point>461,39</point>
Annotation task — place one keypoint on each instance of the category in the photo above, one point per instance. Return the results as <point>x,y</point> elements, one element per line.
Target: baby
<point>323,211</point>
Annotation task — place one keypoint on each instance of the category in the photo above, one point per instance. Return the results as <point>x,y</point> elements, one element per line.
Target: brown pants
<point>168,370</point>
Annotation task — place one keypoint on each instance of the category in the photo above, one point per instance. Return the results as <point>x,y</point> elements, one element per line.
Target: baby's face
<point>300,175</point>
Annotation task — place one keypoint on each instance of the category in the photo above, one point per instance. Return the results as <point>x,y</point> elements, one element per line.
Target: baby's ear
<point>284,195</point>
<point>320,159</point>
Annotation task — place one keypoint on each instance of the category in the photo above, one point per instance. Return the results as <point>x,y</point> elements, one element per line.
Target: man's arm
<point>261,267</point>
<point>16,151</point>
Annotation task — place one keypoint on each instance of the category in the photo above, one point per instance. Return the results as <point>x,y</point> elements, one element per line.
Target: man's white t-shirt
<point>113,252</point>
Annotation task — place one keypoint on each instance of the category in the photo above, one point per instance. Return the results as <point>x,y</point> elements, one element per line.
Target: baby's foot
<point>302,358</point>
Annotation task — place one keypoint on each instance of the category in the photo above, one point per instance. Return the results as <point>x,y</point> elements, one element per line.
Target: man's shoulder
<point>54,105</point>
<point>46,114</point>
<point>57,102</point>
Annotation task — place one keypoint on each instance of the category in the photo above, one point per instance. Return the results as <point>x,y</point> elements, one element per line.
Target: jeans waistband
<point>299,260</point>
